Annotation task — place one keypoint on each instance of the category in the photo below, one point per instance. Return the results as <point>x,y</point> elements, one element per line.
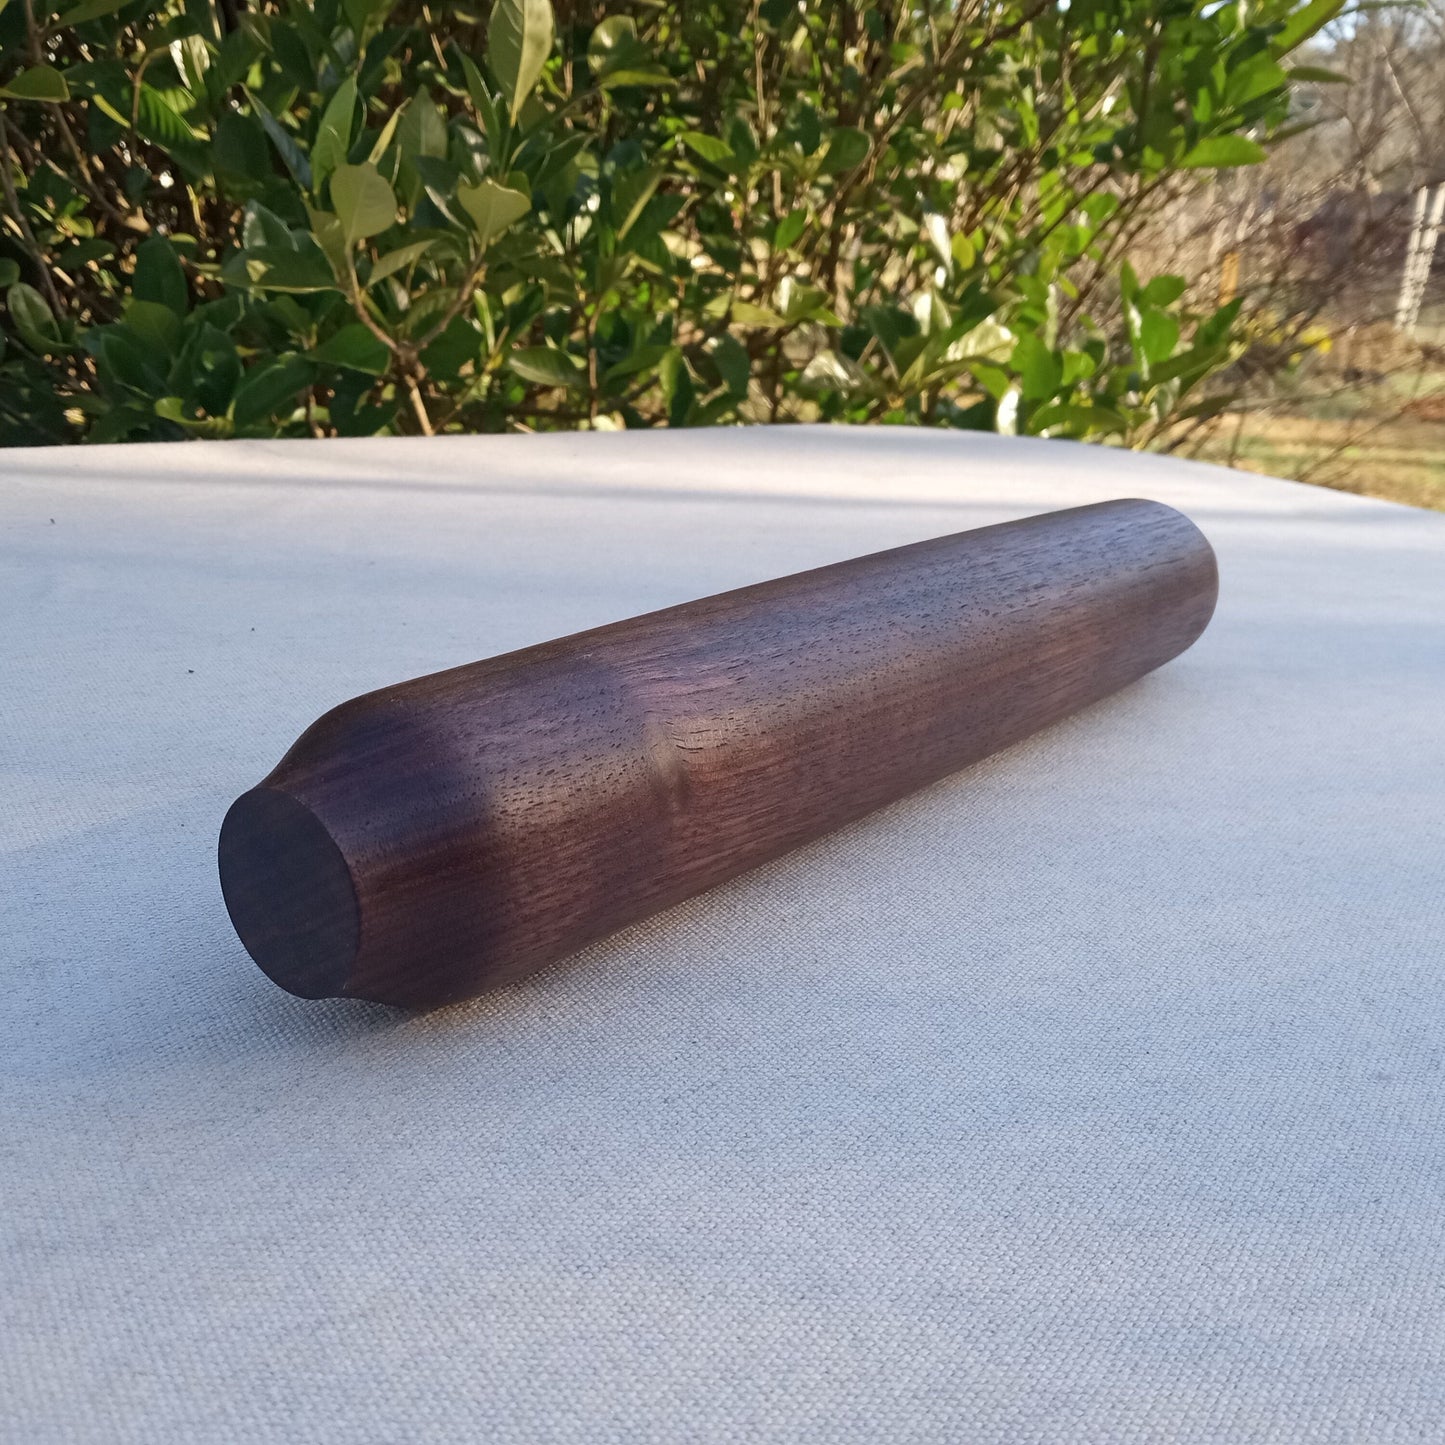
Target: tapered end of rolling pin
<point>289,893</point>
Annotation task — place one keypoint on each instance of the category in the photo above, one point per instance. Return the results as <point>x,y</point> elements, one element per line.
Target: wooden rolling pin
<point>426,841</point>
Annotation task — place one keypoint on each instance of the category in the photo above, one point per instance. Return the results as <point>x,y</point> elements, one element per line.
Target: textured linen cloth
<point>1093,1095</point>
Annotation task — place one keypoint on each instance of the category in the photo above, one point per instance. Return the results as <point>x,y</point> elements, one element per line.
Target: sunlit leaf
<point>1220,151</point>
<point>1164,290</point>
<point>492,208</point>
<point>547,366</point>
<point>90,10</point>
<point>714,151</point>
<point>1158,335</point>
<point>39,82</point>
<point>333,137</point>
<point>789,229</point>
<point>519,40</point>
<point>363,200</point>
<point>1308,20</point>
<point>398,260</point>
<point>1039,369</point>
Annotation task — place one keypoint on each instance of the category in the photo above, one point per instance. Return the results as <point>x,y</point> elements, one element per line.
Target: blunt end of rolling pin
<point>289,893</point>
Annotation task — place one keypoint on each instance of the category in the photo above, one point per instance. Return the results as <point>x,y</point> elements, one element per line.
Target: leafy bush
<point>371,216</point>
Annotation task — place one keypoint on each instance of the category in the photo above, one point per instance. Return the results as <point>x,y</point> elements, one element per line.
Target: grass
<point>1381,437</point>
<point>1401,461</point>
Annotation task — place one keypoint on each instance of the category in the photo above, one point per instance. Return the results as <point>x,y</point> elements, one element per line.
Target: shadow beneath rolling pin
<point>122,959</point>
<point>127,965</point>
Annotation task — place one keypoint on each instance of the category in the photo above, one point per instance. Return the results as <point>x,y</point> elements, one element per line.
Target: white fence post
<point>1429,213</point>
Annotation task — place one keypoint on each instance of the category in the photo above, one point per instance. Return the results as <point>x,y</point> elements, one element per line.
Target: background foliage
<point>374,216</point>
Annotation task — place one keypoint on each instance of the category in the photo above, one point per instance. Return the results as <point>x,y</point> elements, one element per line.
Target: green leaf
<point>731,358</point>
<point>1164,290</point>
<point>238,146</point>
<point>237,53</point>
<point>397,260</point>
<point>1040,370</point>
<point>649,75</point>
<point>384,138</point>
<point>333,138</point>
<point>714,151</point>
<point>159,276</point>
<point>269,386</point>
<point>459,343</point>
<point>423,128</point>
<point>618,57</point>
<point>285,144</point>
<point>39,82</point>
<point>194,60</point>
<point>494,124</point>
<point>831,371</point>
<point>1318,75</point>
<point>421,137</point>
<point>279,269</point>
<point>260,227</point>
<point>430,306</point>
<point>364,201</point>
<point>130,358</point>
<point>801,302</point>
<point>988,339</point>
<point>90,10</point>
<point>33,319</point>
<point>492,208</point>
<point>174,408</point>
<point>158,120</point>
<point>678,390</point>
<point>609,35</point>
<point>1306,21</point>
<point>330,235</point>
<point>364,14</point>
<point>935,229</point>
<point>1257,76</point>
<point>789,229</point>
<point>547,366</point>
<point>155,325</point>
<point>9,271</point>
<point>1077,420</point>
<point>1158,335</point>
<point>519,39</point>
<point>1216,328</point>
<point>630,194</point>
<point>741,138</point>
<point>356,348</point>
<point>1221,151</point>
<point>932,313</point>
<point>745,313</point>
<point>846,148</point>
<point>645,358</point>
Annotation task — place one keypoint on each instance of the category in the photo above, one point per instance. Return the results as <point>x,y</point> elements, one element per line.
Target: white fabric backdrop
<point>1094,1095</point>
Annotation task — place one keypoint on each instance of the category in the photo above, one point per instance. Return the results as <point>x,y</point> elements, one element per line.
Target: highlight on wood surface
<point>424,842</point>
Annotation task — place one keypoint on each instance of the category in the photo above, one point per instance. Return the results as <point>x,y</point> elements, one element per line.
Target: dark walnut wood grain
<point>423,842</point>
